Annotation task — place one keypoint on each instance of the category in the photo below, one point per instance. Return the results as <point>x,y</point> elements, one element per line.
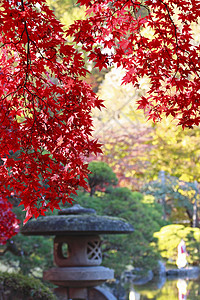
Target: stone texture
<point>190,272</point>
<point>78,277</point>
<point>76,225</point>
<point>89,294</point>
<point>82,251</point>
<point>76,209</point>
<point>63,293</point>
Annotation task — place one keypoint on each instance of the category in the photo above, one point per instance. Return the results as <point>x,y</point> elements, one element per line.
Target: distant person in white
<point>182,255</point>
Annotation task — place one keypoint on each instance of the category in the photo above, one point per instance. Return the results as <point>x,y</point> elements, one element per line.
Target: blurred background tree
<point>67,11</point>
<point>143,213</point>
<point>177,197</point>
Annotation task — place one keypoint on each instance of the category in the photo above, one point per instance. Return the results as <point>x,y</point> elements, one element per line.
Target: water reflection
<point>176,289</point>
<point>182,289</point>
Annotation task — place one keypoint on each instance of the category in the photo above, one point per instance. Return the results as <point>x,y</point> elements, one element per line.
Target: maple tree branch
<point>13,43</point>
<point>175,29</point>
<point>28,59</point>
<point>175,33</point>
<point>177,47</point>
<point>49,59</point>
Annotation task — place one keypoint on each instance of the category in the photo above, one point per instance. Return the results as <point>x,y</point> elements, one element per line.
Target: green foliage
<point>27,254</point>
<point>101,176</point>
<point>128,249</point>
<point>169,237</point>
<point>178,195</point>
<point>21,287</point>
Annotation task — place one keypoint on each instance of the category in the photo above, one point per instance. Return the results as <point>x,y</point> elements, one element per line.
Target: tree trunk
<point>162,176</point>
<point>194,217</point>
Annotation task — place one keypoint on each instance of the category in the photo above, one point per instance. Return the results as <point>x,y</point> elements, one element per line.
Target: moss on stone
<point>23,287</point>
<point>76,224</point>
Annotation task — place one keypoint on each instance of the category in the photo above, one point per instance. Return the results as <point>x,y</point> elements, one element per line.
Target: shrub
<point>20,287</point>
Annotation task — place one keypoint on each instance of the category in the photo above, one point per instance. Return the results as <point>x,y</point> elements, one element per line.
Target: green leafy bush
<point>19,287</point>
<point>27,254</point>
<point>169,237</point>
<point>102,176</point>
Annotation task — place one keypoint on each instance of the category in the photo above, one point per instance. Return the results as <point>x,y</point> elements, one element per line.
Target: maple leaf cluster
<point>8,222</point>
<point>169,56</point>
<point>45,121</point>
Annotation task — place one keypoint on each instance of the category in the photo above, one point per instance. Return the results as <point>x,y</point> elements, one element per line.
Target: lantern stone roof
<point>76,221</point>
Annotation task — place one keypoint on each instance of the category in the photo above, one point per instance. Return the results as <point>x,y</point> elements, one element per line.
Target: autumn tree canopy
<point>45,124</point>
<point>169,56</point>
<point>45,121</point>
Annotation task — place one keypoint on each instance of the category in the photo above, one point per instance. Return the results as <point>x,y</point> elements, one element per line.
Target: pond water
<point>173,289</point>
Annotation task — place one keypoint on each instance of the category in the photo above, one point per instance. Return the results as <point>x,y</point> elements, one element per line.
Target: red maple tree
<point>170,58</point>
<point>45,122</point>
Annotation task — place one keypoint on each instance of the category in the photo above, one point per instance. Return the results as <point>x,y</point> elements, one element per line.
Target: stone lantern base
<point>85,294</point>
<point>78,276</point>
<point>79,282</point>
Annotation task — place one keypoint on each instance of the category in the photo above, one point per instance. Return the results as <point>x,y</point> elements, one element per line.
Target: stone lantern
<point>77,251</point>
